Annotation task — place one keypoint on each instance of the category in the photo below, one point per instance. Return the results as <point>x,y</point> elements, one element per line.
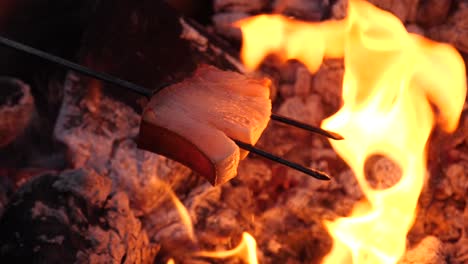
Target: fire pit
<point>75,187</point>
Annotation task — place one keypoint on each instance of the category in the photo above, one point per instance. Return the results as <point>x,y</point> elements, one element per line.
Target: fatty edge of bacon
<point>199,146</point>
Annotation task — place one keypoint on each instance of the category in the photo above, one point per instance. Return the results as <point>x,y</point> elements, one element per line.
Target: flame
<point>246,250</point>
<point>393,81</point>
<point>184,215</point>
<point>181,209</point>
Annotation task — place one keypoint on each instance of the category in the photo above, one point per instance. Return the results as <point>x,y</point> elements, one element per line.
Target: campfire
<point>187,132</point>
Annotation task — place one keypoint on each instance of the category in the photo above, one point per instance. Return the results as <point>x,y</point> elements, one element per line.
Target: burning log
<point>79,213</point>
<point>16,108</point>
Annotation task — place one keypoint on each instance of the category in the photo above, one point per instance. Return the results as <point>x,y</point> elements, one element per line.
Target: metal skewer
<point>311,172</point>
<point>313,129</point>
<point>148,93</point>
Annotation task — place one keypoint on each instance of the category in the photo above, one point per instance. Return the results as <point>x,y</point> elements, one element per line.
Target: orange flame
<point>246,250</point>
<point>179,206</point>
<point>392,81</point>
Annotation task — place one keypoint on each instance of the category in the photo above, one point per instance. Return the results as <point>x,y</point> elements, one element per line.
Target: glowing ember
<point>392,79</point>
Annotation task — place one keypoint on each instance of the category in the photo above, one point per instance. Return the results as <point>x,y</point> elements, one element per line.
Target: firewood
<point>72,217</point>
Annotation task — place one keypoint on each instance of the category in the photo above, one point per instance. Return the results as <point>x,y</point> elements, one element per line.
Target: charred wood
<point>76,211</point>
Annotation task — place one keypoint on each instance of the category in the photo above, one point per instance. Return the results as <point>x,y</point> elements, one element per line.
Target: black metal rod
<point>314,173</point>
<point>76,67</point>
<point>307,127</point>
